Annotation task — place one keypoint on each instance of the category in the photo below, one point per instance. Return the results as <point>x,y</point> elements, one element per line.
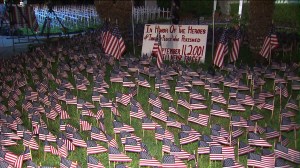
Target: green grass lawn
<point>154,146</point>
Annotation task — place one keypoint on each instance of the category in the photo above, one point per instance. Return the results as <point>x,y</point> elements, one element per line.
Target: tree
<point>260,21</point>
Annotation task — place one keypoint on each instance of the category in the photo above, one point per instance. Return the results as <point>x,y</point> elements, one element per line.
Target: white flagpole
<point>240,8</point>
<point>132,21</point>
<point>213,39</point>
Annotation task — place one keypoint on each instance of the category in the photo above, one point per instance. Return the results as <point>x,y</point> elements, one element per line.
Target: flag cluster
<point>80,97</point>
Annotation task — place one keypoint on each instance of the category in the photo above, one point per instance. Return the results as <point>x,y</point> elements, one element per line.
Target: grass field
<point>39,157</point>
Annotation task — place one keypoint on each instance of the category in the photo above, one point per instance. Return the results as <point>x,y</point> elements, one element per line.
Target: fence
<point>71,16</point>
<point>145,14</point>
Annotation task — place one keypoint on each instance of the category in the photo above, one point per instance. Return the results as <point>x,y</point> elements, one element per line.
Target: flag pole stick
<point>295,137</point>
<point>132,21</point>
<point>213,39</point>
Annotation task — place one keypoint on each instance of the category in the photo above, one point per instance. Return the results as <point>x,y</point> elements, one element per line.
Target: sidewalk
<point>8,50</point>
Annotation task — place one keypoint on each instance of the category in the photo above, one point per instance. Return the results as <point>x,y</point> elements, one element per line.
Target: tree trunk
<point>260,21</point>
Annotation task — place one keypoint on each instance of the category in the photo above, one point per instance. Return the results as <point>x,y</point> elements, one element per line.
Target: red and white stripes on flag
<point>236,46</point>
<point>115,44</point>
<point>157,51</point>
<point>222,50</point>
<point>270,42</point>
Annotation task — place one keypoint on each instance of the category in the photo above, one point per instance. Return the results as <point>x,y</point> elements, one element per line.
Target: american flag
<point>122,98</point>
<point>170,161</point>
<point>181,101</point>
<point>165,94</point>
<point>115,45</point>
<point>85,125</point>
<point>197,81</point>
<point>127,83</point>
<point>255,140</point>
<point>19,162</point>
<point>292,104</point>
<point>94,148</point>
<point>222,49</point>
<point>62,148</point>
<point>147,160</point>
<point>49,148</point>
<point>124,135</point>
<point>216,137</point>
<point>50,113</point>
<point>218,98</point>
<point>111,141</point>
<point>148,124</point>
<point>161,133</point>
<point>194,94</point>
<point>216,110</point>
<point>236,46</point>
<point>161,83</point>
<point>287,124</point>
<point>114,155</point>
<point>119,126</point>
<point>29,141</point>
<point>270,43</point>
<point>238,121</point>
<point>65,163</point>
<point>154,100</point>
<point>180,153</point>
<point>197,118</point>
<point>271,133</point>
<point>287,113</point>
<point>105,102</point>
<point>45,134</point>
<point>281,163</point>
<point>95,96</point>
<point>9,133</point>
<point>181,88</point>
<point>100,113</point>
<point>256,160</point>
<point>234,105</point>
<point>186,138</point>
<point>173,109</point>
<point>69,143</point>
<point>244,148</point>
<point>283,140</point>
<point>254,127</point>
<point>255,116</point>
<point>78,141</point>
<point>136,112</point>
<point>159,114</point>
<point>104,34</point>
<point>244,99</point>
<point>231,163</point>
<point>27,154</point>
<point>281,90</point>
<point>222,132</point>
<point>141,81</point>
<point>221,152</point>
<point>97,134</point>
<point>85,111</point>
<point>171,122</point>
<point>166,144</point>
<point>132,145</point>
<point>191,131</point>
<point>8,156</point>
<point>203,148</point>
<point>197,105</point>
<point>157,51</point>
<point>80,85</point>
<point>93,162</point>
